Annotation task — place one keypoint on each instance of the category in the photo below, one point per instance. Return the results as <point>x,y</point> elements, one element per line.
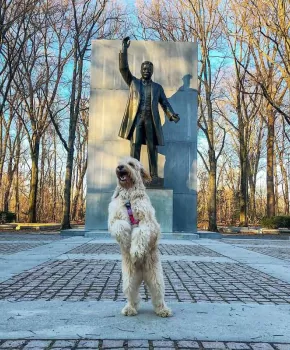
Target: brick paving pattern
<point>276,252</point>
<point>259,242</point>
<point>11,248</point>
<point>96,248</point>
<point>90,344</point>
<point>78,280</point>
<point>32,237</point>
<point>165,249</point>
<point>194,250</point>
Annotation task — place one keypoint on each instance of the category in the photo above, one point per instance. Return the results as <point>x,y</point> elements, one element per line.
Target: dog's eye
<point>132,165</point>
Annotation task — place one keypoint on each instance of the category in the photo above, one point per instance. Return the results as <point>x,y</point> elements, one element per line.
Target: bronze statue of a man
<point>141,123</point>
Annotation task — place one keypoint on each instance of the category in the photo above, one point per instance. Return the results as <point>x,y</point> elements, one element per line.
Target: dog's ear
<point>145,176</point>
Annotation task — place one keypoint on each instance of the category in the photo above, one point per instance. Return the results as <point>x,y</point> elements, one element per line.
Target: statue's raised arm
<point>123,61</point>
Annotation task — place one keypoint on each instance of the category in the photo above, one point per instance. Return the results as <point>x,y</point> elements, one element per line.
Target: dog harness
<point>130,213</point>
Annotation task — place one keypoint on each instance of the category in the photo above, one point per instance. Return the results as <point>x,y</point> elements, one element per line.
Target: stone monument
<point>175,69</point>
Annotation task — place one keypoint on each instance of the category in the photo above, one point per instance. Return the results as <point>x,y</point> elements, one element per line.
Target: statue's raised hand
<point>126,42</point>
<point>175,118</point>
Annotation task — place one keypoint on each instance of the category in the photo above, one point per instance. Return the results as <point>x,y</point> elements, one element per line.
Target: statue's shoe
<point>157,182</point>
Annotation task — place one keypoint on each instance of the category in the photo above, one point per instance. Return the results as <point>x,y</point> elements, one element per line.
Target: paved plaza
<point>61,292</point>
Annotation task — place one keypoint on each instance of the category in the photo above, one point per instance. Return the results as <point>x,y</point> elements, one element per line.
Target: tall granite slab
<point>175,68</point>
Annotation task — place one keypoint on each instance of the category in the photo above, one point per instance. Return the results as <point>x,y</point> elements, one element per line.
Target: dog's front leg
<point>139,243</point>
<point>121,231</point>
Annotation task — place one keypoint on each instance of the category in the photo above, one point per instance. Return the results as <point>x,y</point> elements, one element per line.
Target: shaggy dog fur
<point>138,243</point>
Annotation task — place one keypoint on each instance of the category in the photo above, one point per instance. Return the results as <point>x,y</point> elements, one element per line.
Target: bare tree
<point>190,20</point>
<point>90,19</point>
<point>15,29</point>
<point>38,79</point>
<point>81,162</point>
<point>268,34</point>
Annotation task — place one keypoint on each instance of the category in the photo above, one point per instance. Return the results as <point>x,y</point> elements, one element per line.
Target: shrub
<point>281,221</point>
<point>9,217</point>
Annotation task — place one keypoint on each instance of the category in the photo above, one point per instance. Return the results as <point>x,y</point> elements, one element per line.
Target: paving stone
<point>138,343</point>
<point>188,344</point>
<point>31,237</point>
<point>64,343</point>
<point>214,345</point>
<point>236,346</point>
<point>135,344</point>
<point>165,249</point>
<point>258,242</point>
<point>88,344</point>
<point>163,343</point>
<point>261,346</point>
<point>280,253</point>
<point>81,279</point>
<point>37,344</point>
<point>13,344</point>
<point>282,346</point>
<point>11,248</point>
<point>112,344</point>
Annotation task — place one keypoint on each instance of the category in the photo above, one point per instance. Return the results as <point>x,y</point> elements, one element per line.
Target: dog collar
<point>130,213</point>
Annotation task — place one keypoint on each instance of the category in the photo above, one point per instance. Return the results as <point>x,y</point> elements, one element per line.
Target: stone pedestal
<point>162,201</point>
<point>175,68</point>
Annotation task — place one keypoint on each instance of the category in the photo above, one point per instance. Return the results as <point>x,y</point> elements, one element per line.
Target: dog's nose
<point>120,167</point>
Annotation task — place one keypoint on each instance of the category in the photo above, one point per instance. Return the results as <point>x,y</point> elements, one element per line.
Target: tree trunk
<point>17,160</point>
<point>17,204</point>
<point>276,189</point>
<point>1,147</point>
<point>243,181</point>
<point>270,165</point>
<point>252,199</point>
<point>68,181</point>
<point>43,209</point>
<point>34,180</point>
<point>8,184</point>
<point>212,192</point>
<point>79,185</point>
<point>285,183</point>
<point>54,178</point>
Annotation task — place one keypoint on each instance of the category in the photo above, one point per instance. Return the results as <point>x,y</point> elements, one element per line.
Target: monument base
<point>97,210</point>
<point>162,201</point>
<point>156,183</point>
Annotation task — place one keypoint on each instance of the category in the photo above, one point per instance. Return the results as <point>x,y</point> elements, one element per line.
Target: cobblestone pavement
<point>11,243</point>
<point>11,248</point>
<point>258,242</point>
<point>80,280</point>
<point>32,237</point>
<point>165,249</point>
<point>276,252</point>
<point>136,344</point>
<point>200,283</point>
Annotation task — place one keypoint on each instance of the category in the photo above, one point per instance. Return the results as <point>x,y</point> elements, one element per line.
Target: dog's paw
<point>124,240</point>
<point>136,254</point>
<point>163,311</point>
<point>129,310</point>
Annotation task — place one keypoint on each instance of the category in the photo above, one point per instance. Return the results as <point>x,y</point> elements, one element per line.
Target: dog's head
<point>130,172</point>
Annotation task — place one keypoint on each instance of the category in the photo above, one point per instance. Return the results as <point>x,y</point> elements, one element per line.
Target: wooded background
<point>244,101</point>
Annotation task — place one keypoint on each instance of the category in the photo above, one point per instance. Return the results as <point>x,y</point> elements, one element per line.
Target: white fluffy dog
<point>133,224</point>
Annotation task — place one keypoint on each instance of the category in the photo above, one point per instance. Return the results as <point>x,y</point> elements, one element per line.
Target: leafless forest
<point>244,101</point>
